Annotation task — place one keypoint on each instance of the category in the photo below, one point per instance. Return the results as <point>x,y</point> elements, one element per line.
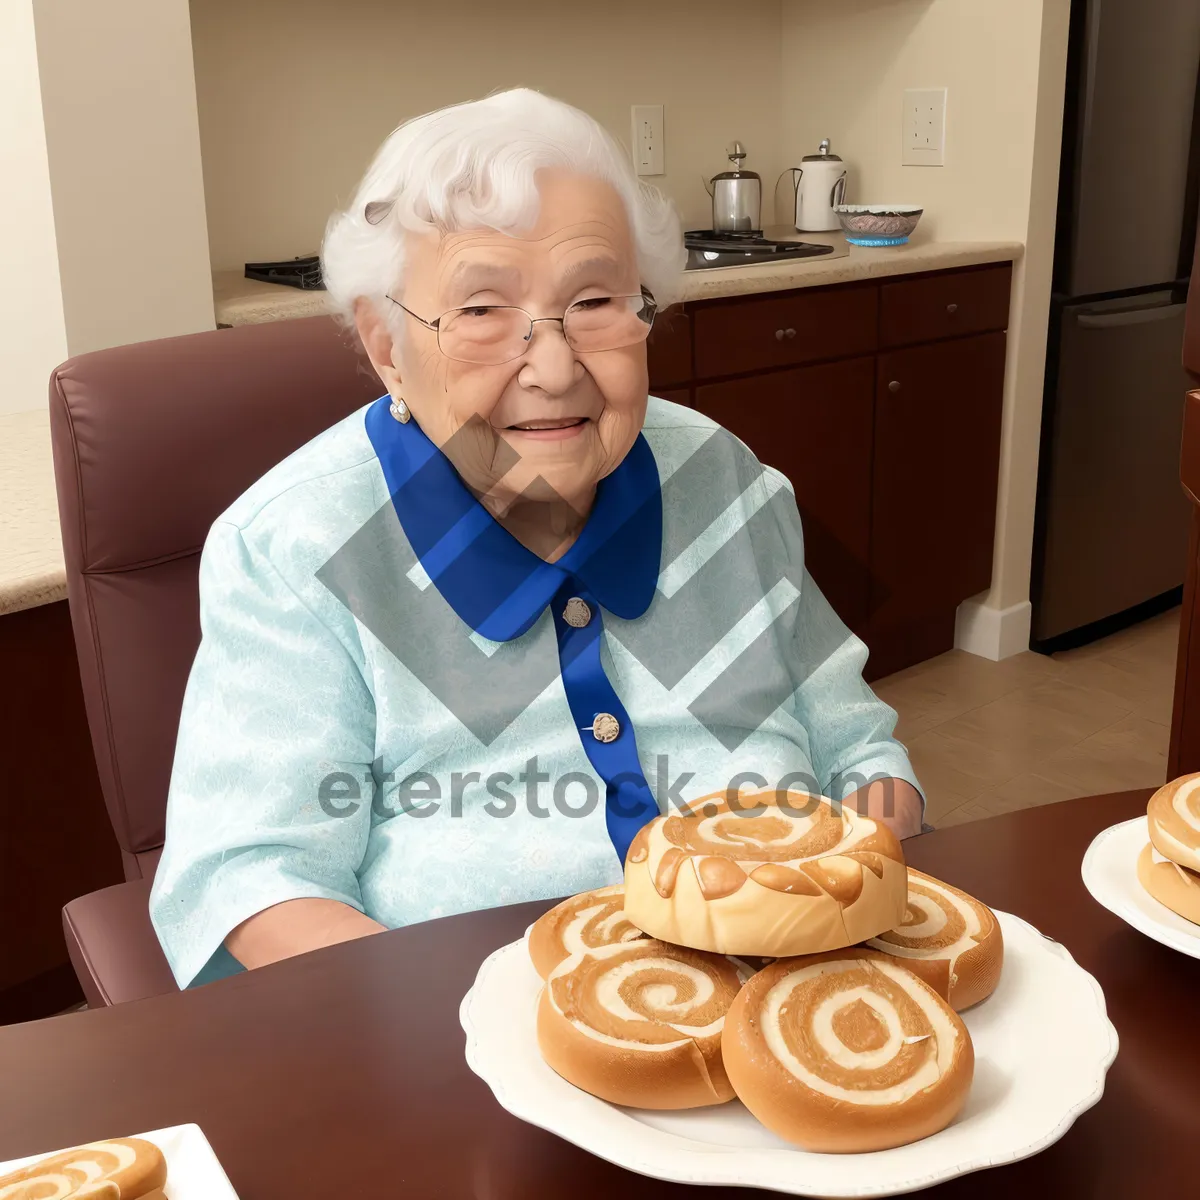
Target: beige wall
<point>845,68</point>
<point>296,95</point>
<point>119,103</point>
<point>33,336</point>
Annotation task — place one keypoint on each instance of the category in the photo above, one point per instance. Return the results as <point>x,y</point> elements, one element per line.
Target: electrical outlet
<point>648,138</point>
<point>924,127</point>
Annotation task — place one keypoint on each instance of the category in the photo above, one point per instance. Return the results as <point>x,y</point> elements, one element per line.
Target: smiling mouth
<point>563,423</point>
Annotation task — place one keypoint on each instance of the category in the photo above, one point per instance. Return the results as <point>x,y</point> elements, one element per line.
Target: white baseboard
<point>993,633</point>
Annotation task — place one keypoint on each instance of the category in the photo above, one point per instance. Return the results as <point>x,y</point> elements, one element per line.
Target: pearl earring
<point>399,410</point>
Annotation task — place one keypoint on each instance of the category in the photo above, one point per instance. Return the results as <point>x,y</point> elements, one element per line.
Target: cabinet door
<point>669,351</point>
<point>814,425</point>
<point>937,459</point>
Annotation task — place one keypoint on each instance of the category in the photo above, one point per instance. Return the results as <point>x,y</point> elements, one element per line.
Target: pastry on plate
<point>767,874</point>
<point>847,1052</point>
<point>118,1169</point>
<point>1173,816</point>
<point>639,1023</point>
<point>949,939</point>
<point>1170,884</point>
<point>583,922</point>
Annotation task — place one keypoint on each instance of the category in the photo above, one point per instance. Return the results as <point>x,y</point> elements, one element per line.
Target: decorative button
<point>577,612</point>
<point>605,727</point>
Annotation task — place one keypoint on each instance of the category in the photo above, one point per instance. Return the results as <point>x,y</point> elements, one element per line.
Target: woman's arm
<point>894,802</point>
<point>295,927</point>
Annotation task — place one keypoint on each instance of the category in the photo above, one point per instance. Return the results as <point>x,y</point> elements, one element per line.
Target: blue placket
<point>629,803</point>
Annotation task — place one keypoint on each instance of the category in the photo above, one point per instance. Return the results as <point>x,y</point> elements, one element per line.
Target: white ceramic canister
<point>820,183</point>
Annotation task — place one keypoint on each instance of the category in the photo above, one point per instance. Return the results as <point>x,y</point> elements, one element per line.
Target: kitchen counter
<point>240,301</point>
<point>31,560</point>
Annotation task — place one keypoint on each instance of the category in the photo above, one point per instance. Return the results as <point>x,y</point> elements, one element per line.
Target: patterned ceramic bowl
<point>878,224</point>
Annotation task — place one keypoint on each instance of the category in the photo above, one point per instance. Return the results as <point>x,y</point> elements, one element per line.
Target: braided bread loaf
<point>119,1169</point>
<point>768,876</point>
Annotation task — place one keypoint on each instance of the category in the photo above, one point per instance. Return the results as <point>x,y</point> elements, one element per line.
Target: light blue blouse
<point>393,704</point>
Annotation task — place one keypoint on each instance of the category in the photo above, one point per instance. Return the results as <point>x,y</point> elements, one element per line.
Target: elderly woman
<point>459,648</point>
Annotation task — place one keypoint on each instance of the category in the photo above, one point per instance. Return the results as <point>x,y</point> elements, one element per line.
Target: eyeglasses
<point>498,333</point>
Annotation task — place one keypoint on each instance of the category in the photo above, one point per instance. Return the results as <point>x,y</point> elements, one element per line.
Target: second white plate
<point>1110,874</point>
<point>193,1170</point>
<point>1043,1044</point>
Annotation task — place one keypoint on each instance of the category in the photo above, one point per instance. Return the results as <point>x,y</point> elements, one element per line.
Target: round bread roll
<point>949,939</point>
<point>847,1052</point>
<point>1170,884</point>
<point>767,876</point>
<point>583,922</point>
<point>1174,818</point>
<point>639,1023</point>
<point>121,1168</point>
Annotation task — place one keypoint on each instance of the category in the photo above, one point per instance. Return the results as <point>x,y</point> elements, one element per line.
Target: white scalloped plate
<point>1110,874</point>
<point>1043,1044</point>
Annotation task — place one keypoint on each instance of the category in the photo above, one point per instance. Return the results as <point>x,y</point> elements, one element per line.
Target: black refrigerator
<point>1111,524</point>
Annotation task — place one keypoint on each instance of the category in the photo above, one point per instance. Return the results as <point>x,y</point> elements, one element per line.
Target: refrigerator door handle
<point>1128,316</point>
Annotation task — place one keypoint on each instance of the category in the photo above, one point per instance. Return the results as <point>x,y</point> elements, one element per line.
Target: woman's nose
<point>549,363</point>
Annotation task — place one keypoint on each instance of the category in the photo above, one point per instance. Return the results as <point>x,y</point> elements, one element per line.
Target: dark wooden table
<point>342,1072</point>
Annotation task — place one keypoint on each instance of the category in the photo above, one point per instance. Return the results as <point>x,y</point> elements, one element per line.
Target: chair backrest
<point>151,443</point>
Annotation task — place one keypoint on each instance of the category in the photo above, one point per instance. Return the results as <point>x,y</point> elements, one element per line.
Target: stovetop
<point>709,250</point>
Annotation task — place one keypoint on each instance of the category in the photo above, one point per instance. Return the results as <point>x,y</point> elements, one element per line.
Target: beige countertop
<point>240,301</point>
<point>31,562</point>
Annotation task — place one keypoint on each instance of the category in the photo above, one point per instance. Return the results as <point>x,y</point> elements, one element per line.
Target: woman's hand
<point>894,802</point>
<point>295,927</point>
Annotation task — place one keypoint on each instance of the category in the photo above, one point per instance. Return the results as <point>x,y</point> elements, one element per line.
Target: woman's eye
<point>597,302</point>
<point>480,310</point>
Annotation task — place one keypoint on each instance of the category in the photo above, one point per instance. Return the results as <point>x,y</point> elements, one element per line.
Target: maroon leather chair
<point>151,443</point>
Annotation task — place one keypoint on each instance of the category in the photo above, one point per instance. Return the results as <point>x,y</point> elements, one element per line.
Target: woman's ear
<point>377,341</point>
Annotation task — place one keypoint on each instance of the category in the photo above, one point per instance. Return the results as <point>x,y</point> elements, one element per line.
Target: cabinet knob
<point>952,308</point>
<point>894,386</point>
<point>779,335</point>
<point>791,333</point>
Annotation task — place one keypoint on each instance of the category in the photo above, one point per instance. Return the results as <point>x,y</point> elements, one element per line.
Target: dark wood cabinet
<point>936,468</point>
<point>786,329</point>
<point>669,350</point>
<point>813,424</point>
<point>882,403</point>
<point>949,304</point>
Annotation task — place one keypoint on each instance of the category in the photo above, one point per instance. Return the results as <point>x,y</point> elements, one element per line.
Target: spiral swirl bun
<point>847,1052</point>
<point>770,875</point>
<point>1174,819</point>
<point>949,939</point>
<point>120,1169</point>
<point>583,922</point>
<point>639,1023</point>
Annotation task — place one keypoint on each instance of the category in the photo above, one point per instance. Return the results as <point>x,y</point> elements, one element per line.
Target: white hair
<point>473,165</point>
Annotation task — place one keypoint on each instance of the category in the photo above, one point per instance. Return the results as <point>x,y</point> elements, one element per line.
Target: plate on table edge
<point>1110,873</point>
<point>614,1134</point>
<point>193,1171</point>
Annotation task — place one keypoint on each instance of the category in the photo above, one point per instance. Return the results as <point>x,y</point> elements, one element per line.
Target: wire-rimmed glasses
<point>491,334</point>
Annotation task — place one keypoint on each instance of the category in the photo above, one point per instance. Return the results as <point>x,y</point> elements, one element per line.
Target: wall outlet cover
<point>924,127</point>
<point>648,139</point>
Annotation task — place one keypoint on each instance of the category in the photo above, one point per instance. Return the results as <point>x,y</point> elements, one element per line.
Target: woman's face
<point>554,422</point>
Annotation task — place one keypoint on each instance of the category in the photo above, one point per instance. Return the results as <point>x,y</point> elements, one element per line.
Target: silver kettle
<point>736,197</point>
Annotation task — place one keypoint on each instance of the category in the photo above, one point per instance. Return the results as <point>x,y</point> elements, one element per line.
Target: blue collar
<point>493,582</point>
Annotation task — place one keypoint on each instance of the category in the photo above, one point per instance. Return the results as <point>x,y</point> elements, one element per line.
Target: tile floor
<point>990,737</point>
